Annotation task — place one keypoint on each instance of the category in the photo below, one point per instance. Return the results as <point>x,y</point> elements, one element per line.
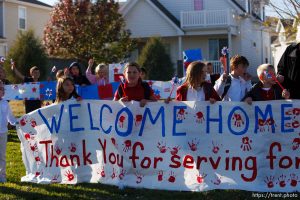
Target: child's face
<point>1,91</point>
<point>68,87</point>
<point>74,71</point>
<point>268,78</point>
<point>132,74</point>
<point>241,69</point>
<point>209,69</point>
<point>203,74</point>
<point>101,73</point>
<point>35,74</point>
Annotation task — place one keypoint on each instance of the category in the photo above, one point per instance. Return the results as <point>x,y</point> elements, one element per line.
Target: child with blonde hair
<point>266,89</point>
<point>5,117</point>
<point>100,77</point>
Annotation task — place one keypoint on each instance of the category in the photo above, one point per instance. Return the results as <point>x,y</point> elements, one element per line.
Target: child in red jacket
<point>195,88</point>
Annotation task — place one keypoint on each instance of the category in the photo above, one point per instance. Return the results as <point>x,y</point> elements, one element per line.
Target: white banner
<point>192,146</point>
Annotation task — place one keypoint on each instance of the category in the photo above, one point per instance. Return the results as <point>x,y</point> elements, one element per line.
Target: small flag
<point>191,56</point>
<point>53,69</point>
<point>2,59</point>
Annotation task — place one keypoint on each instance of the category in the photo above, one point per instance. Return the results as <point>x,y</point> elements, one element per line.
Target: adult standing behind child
<point>5,117</point>
<point>100,77</point>
<point>233,87</point>
<point>289,69</point>
<point>65,90</point>
<point>134,88</point>
<point>266,89</point>
<point>195,87</point>
<point>75,72</point>
<point>30,105</point>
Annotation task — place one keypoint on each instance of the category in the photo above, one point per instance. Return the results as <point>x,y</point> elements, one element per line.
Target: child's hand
<point>91,62</point>
<point>124,99</point>
<point>224,77</point>
<point>248,100</point>
<point>66,72</point>
<point>167,100</point>
<point>280,78</point>
<point>285,94</point>
<point>212,100</point>
<point>79,99</point>
<point>246,76</point>
<point>143,102</point>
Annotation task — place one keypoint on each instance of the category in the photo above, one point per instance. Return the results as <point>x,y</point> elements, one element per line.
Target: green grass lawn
<point>15,189</point>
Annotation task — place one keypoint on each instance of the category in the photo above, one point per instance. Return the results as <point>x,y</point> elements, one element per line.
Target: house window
<point>22,18</point>
<point>215,46</point>
<point>198,4</point>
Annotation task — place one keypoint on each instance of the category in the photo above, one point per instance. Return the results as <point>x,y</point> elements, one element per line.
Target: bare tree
<point>286,8</point>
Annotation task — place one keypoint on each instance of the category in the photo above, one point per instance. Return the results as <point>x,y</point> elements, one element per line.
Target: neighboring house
<point>285,37</point>
<point>21,15</point>
<point>206,24</point>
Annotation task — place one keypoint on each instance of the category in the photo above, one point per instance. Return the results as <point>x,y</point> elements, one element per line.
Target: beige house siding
<point>36,19</point>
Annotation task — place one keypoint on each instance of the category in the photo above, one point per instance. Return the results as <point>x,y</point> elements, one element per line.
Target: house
<point>206,24</point>
<point>288,32</point>
<point>21,15</point>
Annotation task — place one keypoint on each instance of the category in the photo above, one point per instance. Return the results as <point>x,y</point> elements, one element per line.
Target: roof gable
<point>158,8</point>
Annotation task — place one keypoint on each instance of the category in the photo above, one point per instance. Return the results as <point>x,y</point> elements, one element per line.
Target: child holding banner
<point>65,89</point>
<point>134,88</point>
<point>5,117</point>
<point>234,86</point>
<point>30,105</point>
<point>195,87</point>
<point>100,77</point>
<point>266,89</point>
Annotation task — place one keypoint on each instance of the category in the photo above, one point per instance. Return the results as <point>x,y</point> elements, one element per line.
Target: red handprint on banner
<point>37,160</point>
<point>215,147</point>
<point>121,121</point>
<point>127,145</point>
<point>160,175</point>
<point>199,117</point>
<point>34,147</point>
<point>270,122</point>
<point>193,145</point>
<point>281,181</point>
<point>269,181</point>
<point>33,123</point>
<point>113,141</point>
<point>200,177</point>
<point>294,111</point>
<point>138,119</point>
<point>122,174</point>
<point>162,147</point>
<point>172,177</point>
<point>70,176</point>
<point>174,150</point>
<point>238,120</point>
<point>101,172</point>
<point>181,114</point>
<point>261,125</point>
<point>246,144</point>
<point>113,175</point>
<point>293,180</point>
<point>72,147</point>
<point>58,149</point>
<point>296,143</point>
